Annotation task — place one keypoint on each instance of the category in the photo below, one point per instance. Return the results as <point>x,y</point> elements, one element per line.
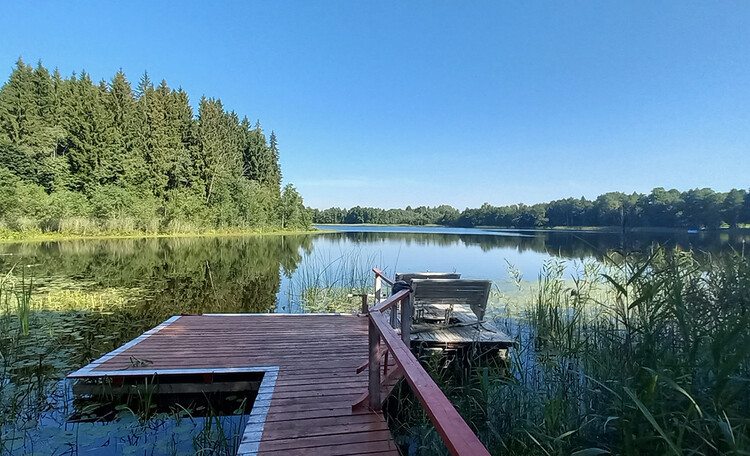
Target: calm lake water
<point>98,294</point>
<point>167,276</point>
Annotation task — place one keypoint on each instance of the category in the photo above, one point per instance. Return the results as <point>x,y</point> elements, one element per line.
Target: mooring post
<point>374,366</point>
<point>406,313</point>
<point>365,309</point>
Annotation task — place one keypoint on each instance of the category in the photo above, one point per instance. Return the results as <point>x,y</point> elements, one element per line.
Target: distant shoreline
<point>574,229</point>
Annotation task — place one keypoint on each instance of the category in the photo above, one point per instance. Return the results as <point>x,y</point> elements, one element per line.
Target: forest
<point>81,157</point>
<point>693,209</point>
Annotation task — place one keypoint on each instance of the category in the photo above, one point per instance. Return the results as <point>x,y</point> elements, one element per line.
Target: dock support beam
<point>374,367</point>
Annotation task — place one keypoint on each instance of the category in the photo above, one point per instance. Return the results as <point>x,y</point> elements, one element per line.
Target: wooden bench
<point>409,276</point>
<point>448,293</point>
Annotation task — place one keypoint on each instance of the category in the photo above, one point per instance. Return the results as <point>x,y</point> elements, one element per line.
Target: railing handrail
<point>390,301</point>
<point>456,434</point>
<point>379,273</point>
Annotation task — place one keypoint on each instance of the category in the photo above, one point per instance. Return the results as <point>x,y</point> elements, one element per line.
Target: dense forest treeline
<point>692,209</point>
<point>80,157</point>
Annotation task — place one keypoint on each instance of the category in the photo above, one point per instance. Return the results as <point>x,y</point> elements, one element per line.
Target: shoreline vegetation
<point>7,237</point>
<point>575,229</point>
<point>79,158</point>
<point>643,353</point>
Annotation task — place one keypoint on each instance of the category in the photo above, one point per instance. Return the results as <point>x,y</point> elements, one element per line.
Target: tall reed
<point>646,354</point>
<point>23,303</point>
<point>325,283</point>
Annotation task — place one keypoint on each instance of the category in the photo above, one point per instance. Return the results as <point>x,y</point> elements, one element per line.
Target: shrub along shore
<point>42,236</point>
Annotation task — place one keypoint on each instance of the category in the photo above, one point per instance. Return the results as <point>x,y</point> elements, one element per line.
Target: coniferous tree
<point>144,84</point>
<point>142,157</point>
<point>218,146</point>
<point>127,139</point>
<point>273,146</point>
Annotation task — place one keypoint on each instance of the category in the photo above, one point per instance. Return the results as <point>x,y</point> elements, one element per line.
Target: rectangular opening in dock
<point>190,394</point>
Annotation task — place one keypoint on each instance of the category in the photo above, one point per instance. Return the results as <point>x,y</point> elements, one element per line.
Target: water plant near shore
<point>64,330</point>
<point>650,355</point>
<point>323,284</point>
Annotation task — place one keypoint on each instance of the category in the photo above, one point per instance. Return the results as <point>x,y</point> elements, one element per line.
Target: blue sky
<point>394,103</point>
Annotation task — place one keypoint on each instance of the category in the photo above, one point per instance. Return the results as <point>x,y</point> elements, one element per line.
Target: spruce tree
<point>276,166</point>
<point>144,85</point>
<point>18,110</point>
<point>127,139</point>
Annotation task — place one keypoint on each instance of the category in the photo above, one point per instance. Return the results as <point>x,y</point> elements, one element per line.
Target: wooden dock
<point>465,332</point>
<point>310,383</point>
<point>324,376</point>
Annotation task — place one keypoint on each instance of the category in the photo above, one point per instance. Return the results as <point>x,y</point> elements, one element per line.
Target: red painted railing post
<point>374,367</point>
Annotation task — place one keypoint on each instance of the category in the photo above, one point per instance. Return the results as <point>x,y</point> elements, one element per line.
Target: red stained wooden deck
<point>310,409</point>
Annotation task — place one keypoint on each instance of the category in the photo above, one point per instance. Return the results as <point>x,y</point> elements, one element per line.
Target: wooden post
<point>378,287</point>
<point>374,366</point>
<point>406,312</point>
<point>365,309</point>
<point>394,315</point>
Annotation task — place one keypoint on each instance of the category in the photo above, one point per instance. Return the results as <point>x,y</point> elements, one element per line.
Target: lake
<point>90,296</point>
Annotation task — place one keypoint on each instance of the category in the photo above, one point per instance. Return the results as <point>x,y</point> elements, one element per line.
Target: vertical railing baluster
<point>374,366</point>
<point>378,287</point>
<point>406,313</point>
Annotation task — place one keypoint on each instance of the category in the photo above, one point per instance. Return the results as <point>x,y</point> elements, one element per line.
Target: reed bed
<point>330,283</point>
<point>646,354</point>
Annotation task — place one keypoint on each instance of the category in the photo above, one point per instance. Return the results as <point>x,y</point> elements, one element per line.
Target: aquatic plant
<point>327,284</point>
<point>23,303</point>
<point>649,354</point>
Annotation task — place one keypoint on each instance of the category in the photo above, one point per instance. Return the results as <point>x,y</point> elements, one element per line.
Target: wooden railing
<point>379,279</point>
<point>457,435</point>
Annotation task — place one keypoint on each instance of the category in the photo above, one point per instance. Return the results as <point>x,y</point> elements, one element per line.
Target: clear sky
<point>393,103</point>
